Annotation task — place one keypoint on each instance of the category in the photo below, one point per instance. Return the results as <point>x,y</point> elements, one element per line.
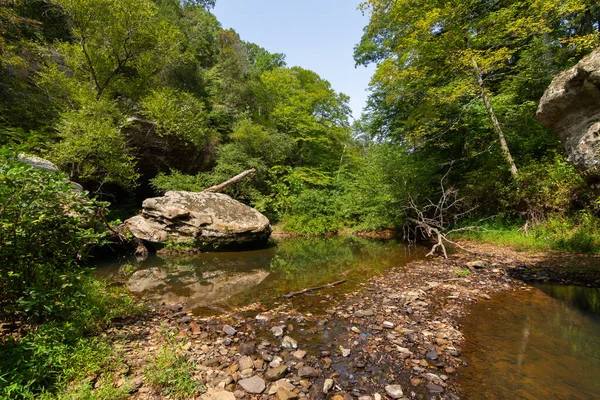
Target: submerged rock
<point>570,107</point>
<point>199,219</point>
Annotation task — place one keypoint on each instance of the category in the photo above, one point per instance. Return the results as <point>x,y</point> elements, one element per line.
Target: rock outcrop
<point>571,109</point>
<point>43,164</point>
<point>204,220</point>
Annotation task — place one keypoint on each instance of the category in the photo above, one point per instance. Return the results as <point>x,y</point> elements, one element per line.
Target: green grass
<point>171,372</point>
<point>580,235</point>
<point>66,358</point>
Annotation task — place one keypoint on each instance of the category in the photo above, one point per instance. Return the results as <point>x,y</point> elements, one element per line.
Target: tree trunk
<point>235,179</point>
<point>486,100</point>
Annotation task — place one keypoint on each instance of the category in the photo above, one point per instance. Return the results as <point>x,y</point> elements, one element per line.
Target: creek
<point>543,343</point>
<point>540,343</point>
<point>212,282</point>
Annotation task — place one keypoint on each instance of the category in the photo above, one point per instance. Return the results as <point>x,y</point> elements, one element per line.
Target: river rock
<point>327,385</point>
<point>304,372</point>
<point>253,385</point>
<point>289,343</point>
<point>229,330</point>
<point>217,395</point>
<point>276,373</point>
<point>201,219</point>
<point>570,107</point>
<point>394,391</point>
<point>246,362</point>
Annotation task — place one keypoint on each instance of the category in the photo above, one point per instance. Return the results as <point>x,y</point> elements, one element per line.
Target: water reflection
<point>237,279</point>
<point>583,298</point>
<point>528,345</point>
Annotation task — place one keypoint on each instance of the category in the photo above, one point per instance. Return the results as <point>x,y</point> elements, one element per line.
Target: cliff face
<point>570,107</point>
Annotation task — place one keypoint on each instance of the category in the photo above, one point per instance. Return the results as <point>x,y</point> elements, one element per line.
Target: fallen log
<point>292,294</point>
<point>218,188</point>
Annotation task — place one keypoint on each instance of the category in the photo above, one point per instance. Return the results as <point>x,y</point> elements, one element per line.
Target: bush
<point>46,228</point>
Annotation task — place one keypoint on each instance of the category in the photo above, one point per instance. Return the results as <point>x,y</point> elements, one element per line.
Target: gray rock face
<point>41,163</point>
<point>571,109</point>
<point>204,219</point>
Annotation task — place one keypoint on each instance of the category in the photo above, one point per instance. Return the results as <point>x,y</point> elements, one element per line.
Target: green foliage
<point>551,186</point>
<point>178,113</point>
<point>57,359</point>
<point>45,228</point>
<point>93,148</point>
<point>314,212</point>
<point>578,234</point>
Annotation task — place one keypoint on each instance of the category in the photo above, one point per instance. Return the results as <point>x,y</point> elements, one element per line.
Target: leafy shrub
<point>56,359</point>
<point>45,229</point>
<point>314,212</point>
<point>549,187</point>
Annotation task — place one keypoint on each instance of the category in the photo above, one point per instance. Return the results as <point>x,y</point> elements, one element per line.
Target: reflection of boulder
<point>202,219</point>
<point>185,286</point>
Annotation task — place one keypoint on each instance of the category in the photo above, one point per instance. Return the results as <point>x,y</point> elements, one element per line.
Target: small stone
<point>276,373</point>
<point>229,330</point>
<point>307,372</point>
<point>277,331</point>
<point>246,362</point>
<point>355,329</point>
<point>433,388</point>
<point>305,384</point>
<point>327,385</point>
<point>345,352</point>
<point>247,349</point>
<point>394,391</point>
<point>364,313</point>
<point>253,385</point>
<point>377,396</point>
<point>365,398</point>
<point>477,264</point>
<point>289,343</point>
<point>299,354</point>
<point>432,355</point>
<point>415,381</point>
<point>217,395</point>
<point>284,394</point>
<point>388,325</point>
<point>262,318</point>
<point>449,370</point>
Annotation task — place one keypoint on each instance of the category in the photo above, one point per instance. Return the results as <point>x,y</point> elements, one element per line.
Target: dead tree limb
<point>292,294</point>
<point>218,188</point>
<point>433,220</point>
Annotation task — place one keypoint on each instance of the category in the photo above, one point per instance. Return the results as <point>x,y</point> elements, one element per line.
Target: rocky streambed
<point>398,335</point>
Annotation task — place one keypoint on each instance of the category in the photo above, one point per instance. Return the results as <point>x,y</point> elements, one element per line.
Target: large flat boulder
<point>202,219</point>
<point>570,107</point>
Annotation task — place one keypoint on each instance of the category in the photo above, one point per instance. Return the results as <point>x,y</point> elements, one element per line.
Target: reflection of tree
<point>584,298</point>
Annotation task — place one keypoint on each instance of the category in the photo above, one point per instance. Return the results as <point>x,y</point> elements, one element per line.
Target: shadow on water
<point>212,281</point>
<point>538,344</point>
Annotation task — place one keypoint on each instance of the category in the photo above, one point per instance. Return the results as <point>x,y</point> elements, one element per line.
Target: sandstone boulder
<point>201,219</point>
<point>571,109</point>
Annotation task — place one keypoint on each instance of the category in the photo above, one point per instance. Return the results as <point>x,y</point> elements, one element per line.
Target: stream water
<point>210,282</point>
<point>543,343</point>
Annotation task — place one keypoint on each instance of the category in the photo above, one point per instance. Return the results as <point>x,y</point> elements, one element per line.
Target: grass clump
<point>171,372</point>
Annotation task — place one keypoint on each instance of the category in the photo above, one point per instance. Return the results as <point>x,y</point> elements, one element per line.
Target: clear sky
<point>319,35</point>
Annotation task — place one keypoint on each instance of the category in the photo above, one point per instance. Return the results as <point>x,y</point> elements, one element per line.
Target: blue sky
<point>316,35</point>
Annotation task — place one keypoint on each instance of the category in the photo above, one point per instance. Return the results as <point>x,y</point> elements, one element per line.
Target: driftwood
<point>292,294</point>
<point>235,179</point>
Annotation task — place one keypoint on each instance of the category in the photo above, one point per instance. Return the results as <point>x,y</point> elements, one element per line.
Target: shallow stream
<point>542,343</point>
